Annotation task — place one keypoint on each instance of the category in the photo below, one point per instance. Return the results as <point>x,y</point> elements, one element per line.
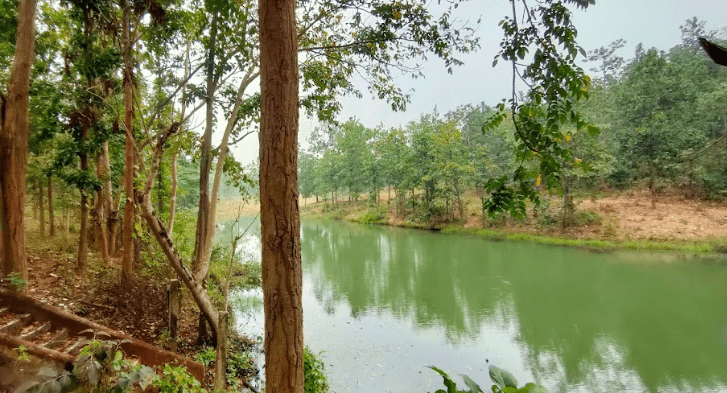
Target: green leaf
<point>535,388</point>
<point>65,380</point>
<point>474,387</point>
<point>94,372</point>
<point>47,372</point>
<point>448,382</point>
<point>26,386</point>
<point>55,386</point>
<point>502,378</point>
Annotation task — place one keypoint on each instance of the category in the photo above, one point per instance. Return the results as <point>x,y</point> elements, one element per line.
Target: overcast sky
<point>655,23</point>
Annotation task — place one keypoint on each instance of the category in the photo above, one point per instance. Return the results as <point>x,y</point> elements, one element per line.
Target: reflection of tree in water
<point>663,318</point>
<point>583,319</point>
<point>377,270</point>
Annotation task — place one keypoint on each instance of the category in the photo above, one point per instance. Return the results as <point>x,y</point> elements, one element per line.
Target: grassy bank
<point>592,231</point>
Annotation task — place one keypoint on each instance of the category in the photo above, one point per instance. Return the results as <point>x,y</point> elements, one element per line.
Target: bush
<point>313,368</point>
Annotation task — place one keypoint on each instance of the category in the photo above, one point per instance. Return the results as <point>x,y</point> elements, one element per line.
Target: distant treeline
<point>662,117</point>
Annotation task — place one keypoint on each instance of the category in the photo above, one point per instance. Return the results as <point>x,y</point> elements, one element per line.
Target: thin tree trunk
<point>113,225</point>
<point>111,206</point>
<point>127,261</point>
<point>173,196</point>
<point>221,156</point>
<point>652,185</point>
<point>200,241</point>
<point>279,215</point>
<point>83,233</point>
<point>160,191</point>
<point>41,209</point>
<point>206,157</point>
<point>51,220</point>
<point>100,231</point>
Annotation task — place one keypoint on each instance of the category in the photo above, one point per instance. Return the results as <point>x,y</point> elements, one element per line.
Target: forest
<point>119,118</point>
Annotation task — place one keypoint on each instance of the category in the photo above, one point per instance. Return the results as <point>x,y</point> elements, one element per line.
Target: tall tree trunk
<point>83,233</point>
<point>200,262</point>
<point>41,209</point>
<point>127,260</point>
<point>173,196</point>
<point>14,145</point>
<point>100,229</point>
<point>279,215</point>
<point>205,162</point>
<point>51,220</point>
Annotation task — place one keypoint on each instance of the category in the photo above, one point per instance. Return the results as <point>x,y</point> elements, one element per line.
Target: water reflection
<point>384,302</point>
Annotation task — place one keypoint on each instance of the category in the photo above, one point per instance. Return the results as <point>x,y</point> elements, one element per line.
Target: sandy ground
<point>674,217</point>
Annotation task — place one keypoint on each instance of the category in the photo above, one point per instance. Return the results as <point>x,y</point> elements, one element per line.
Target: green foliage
<point>314,371</point>
<point>176,379</point>
<point>503,382</point>
<point>372,216</point>
<point>14,282</point>
<point>206,356</point>
<point>101,367</point>
<point>239,365</point>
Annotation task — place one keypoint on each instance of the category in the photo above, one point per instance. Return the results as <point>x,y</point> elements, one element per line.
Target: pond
<point>383,303</point>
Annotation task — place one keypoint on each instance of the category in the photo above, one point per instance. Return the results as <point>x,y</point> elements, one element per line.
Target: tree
<point>611,66</point>
<point>392,153</point>
<point>127,261</point>
<point>14,144</point>
<point>279,216</point>
<point>356,156</point>
<point>307,179</point>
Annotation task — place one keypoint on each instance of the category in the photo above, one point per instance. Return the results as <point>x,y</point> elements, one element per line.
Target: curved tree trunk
<point>279,215</point>
<point>14,144</point>
<point>158,229</point>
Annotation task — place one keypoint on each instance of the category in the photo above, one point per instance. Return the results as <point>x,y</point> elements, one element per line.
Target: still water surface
<point>383,303</point>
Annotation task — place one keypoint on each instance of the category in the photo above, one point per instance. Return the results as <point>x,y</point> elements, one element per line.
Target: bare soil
<point>138,309</point>
<point>673,218</point>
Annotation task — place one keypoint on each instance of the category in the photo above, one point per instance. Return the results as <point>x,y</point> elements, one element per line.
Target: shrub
<point>313,368</point>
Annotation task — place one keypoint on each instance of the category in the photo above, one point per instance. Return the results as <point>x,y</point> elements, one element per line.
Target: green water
<point>385,302</point>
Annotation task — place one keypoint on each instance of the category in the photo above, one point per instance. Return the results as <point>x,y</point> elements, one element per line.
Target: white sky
<point>655,23</point>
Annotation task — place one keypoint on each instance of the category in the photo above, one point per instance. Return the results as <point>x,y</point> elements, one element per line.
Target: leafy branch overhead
<point>373,40</point>
<point>540,43</point>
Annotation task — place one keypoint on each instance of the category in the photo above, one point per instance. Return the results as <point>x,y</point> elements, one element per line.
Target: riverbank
<point>618,221</point>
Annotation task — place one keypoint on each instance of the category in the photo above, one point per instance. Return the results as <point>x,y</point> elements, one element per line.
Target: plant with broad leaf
<point>540,42</point>
<point>503,382</point>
